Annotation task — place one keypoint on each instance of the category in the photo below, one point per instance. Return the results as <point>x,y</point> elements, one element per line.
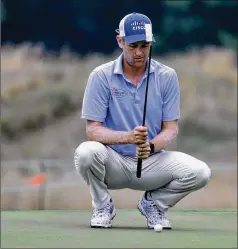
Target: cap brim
<point>136,38</point>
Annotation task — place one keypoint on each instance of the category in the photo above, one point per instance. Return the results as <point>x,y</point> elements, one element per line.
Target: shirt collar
<point>118,66</point>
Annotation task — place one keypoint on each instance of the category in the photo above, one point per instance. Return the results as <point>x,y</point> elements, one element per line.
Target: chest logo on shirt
<point>118,93</point>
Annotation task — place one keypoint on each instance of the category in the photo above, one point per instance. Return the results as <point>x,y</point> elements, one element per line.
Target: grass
<point>69,229</point>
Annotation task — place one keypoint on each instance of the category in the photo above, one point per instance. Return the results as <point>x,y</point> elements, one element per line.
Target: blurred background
<point>49,49</point>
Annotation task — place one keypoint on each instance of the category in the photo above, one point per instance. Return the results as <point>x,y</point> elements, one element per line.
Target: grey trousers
<point>168,176</point>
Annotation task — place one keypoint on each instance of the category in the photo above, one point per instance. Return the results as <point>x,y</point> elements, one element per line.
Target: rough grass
<point>66,190</point>
<point>38,89</point>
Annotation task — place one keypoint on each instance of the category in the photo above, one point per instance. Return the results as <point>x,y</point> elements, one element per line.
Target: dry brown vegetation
<point>42,96</point>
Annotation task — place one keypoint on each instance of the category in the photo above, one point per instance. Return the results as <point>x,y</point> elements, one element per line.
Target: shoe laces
<point>155,211</point>
<point>102,211</point>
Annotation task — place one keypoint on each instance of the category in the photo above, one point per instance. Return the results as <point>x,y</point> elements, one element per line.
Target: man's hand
<point>140,134</point>
<point>143,150</point>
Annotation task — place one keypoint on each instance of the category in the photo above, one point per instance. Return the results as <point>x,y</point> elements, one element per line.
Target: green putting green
<point>70,229</point>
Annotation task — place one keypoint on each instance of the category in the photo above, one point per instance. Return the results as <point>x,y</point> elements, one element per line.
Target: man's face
<point>136,53</point>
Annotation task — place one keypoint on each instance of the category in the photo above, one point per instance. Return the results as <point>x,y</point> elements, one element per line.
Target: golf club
<point>139,163</point>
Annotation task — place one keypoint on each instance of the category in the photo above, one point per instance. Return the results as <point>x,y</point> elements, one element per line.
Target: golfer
<point>113,109</point>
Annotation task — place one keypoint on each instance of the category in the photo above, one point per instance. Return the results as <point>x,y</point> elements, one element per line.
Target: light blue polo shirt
<point>112,99</point>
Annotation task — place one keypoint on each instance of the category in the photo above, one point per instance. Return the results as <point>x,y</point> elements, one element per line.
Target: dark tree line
<point>89,25</point>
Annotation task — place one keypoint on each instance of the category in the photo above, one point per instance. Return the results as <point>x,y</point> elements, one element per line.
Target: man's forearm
<point>108,136</point>
<point>164,138</point>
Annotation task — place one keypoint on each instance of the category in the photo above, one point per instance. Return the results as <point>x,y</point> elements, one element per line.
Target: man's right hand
<point>140,134</point>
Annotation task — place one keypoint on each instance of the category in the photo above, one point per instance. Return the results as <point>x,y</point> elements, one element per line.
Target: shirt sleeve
<point>171,99</point>
<point>96,97</point>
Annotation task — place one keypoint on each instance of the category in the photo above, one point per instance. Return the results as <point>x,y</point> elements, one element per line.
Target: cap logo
<point>138,25</point>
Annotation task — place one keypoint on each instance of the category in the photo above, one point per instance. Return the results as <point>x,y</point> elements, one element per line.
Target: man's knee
<point>85,154</point>
<point>203,175</point>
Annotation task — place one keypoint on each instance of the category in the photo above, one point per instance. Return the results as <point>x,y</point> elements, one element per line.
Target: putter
<point>139,163</point>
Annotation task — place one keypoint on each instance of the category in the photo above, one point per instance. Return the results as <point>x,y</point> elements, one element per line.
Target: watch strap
<point>152,148</point>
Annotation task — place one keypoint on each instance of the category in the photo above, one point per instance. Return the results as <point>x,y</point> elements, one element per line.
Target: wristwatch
<point>152,148</point>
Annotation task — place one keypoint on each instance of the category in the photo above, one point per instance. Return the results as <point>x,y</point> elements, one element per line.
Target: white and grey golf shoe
<point>153,215</point>
<point>102,218</point>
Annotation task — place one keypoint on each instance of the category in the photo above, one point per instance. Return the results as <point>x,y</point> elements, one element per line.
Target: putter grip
<point>139,166</point>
